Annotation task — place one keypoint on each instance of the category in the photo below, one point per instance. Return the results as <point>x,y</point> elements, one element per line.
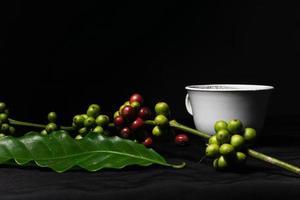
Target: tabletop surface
<point>257,180</point>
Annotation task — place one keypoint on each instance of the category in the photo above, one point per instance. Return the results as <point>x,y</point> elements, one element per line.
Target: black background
<point>64,56</point>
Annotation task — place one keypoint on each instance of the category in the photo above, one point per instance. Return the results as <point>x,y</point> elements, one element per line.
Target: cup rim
<point>228,87</point>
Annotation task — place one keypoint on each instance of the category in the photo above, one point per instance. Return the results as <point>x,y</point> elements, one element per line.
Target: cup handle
<point>188,104</point>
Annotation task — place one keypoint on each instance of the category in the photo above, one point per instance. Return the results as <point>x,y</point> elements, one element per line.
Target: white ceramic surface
<point>213,102</point>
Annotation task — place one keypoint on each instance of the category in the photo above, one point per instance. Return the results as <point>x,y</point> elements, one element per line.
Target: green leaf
<point>61,152</point>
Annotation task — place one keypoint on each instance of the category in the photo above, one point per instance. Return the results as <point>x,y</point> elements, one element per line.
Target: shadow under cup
<point>210,103</point>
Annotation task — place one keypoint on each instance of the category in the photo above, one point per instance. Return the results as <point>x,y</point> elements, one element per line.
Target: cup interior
<point>229,87</point>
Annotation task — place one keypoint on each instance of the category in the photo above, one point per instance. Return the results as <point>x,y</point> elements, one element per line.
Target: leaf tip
<point>179,166</point>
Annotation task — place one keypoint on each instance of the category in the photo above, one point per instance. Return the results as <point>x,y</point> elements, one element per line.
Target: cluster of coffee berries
<point>52,125</point>
<point>161,121</point>
<point>130,118</point>
<point>129,122</point>
<point>91,121</point>
<point>229,145</point>
<point>5,126</point>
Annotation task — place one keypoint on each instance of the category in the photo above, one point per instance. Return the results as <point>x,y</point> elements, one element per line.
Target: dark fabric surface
<point>197,181</point>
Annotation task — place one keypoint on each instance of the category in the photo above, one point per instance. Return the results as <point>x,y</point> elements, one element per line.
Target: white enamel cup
<point>210,103</point>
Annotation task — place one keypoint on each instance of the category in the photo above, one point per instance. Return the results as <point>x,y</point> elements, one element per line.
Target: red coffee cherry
<point>128,113</point>
<point>181,139</point>
<point>148,142</point>
<point>126,132</point>
<point>136,97</point>
<point>119,121</point>
<point>144,113</point>
<point>137,124</point>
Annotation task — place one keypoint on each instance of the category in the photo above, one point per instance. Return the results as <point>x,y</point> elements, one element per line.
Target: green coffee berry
<point>91,112</point>
<point>135,105</point>
<point>4,128</point>
<point>250,135</point>
<point>52,116</point>
<point>223,136</point>
<point>78,120</point>
<point>226,150</point>
<point>162,108</point>
<point>2,107</point>
<point>95,107</point>
<point>213,140</point>
<point>116,114</point>
<point>89,122</point>
<point>78,137</point>
<point>235,126</point>
<point>44,132</point>
<point>219,125</point>
<point>237,141</point>
<point>102,120</point>
<point>161,121</point>
<point>12,130</point>
<point>157,131</point>
<point>98,130</point>
<point>51,127</point>
<point>3,117</point>
<point>212,150</point>
<point>85,116</point>
<point>223,163</point>
<point>82,131</point>
<point>241,157</point>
